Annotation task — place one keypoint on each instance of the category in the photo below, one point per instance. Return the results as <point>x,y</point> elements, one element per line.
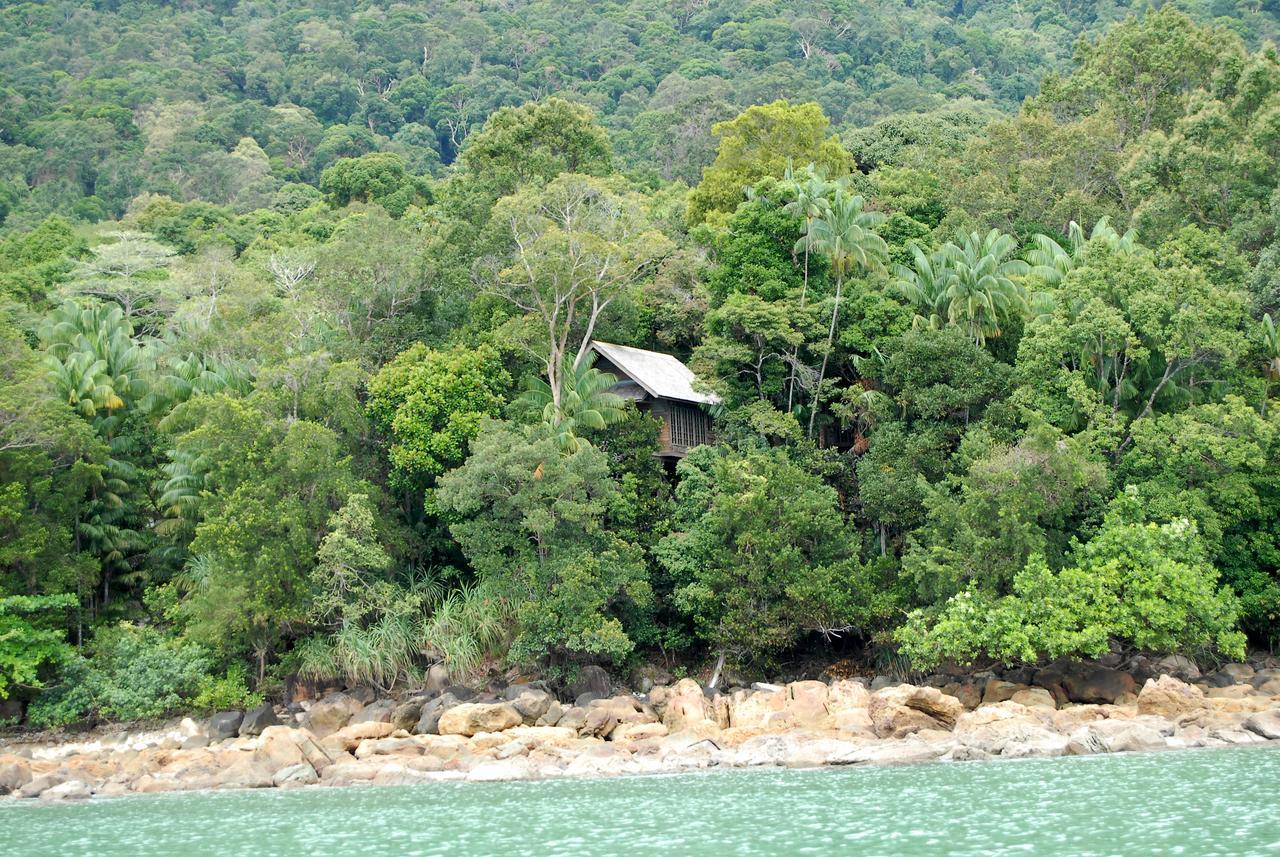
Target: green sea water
<point>1195,802</point>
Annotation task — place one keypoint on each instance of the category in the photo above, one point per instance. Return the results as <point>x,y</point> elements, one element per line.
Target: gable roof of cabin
<point>661,375</point>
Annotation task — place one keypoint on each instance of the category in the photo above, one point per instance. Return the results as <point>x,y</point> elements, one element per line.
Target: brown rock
<point>1171,699</point>
<point>472,717</point>
<point>899,711</point>
<point>352,735</point>
<point>969,693</point>
<point>13,776</point>
<point>687,708</point>
<point>638,732</point>
<point>1035,697</point>
<point>758,709</point>
<point>1097,685</point>
<point>997,690</point>
<point>331,714</point>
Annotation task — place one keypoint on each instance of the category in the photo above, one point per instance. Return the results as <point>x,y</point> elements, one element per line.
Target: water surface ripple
<point>1196,802</point>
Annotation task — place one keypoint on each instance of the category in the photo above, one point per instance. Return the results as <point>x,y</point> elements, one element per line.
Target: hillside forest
<point>295,300</point>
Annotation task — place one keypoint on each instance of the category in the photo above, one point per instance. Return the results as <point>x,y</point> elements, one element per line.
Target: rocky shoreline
<point>524,732</point>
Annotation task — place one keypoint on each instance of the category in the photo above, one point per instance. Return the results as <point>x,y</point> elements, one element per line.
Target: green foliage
<point>1147,585</point>
<point>530,521</point>
<point>229,691</point>
<point>760,554</point>
<point>760,142</point>
<point>31,640</point>
<point>132,673</point>
<point>430,405</point>
<point>257,270</point>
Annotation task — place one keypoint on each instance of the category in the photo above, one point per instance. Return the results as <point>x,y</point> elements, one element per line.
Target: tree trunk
<point>822,373</point>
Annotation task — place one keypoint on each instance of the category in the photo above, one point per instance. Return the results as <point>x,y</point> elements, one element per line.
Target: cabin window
<point>689,426</point>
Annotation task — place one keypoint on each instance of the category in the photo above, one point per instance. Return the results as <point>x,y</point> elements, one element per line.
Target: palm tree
<point>925,287</point>
<point>808,193</point>
<point>1051,262</point>
<point>981,293</point>
<point>845,234</point>
<point>1270,355</point>
<point>585,402</point>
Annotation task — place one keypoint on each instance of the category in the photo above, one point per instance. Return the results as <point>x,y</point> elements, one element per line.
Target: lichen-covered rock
<point>472,717</point>
<point>903,710</point>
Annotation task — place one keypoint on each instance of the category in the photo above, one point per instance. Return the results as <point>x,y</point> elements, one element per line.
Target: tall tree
<point>844,234</point>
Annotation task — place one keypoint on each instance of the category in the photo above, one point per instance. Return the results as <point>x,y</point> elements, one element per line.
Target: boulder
<point>472,717</point>
<point>377,712</point>
<point>224,725</point>
<point>573,718</point>
<point>249,772</point>
<point>968,692</point>
<point>806,705</point>
<point>351,736</point>
<point>759,709</point>
<point>903,710</point>
<point>1264,723</point>
<point>1115,736</point>
<point>429,719</point>
<point>638,732</point>
<point>406,715</point>
<point>1216,679</point>
<point>1171,699</point>
<point>70,790</point>
<point>257,719</point>
<point>552,716</point>
<point>998,690</point>
<point>13,776</point>
<point>1178,666</point>
<point>1099,685</point>
<point>300,774</point>
<point>686,707</point>
<point>331,713</point>
<point>38,785</point>
<point>532,703</point>
<point>591,679</point>
<point>1035,697</point>
<point>1009,729</point>
<point>282,746</point>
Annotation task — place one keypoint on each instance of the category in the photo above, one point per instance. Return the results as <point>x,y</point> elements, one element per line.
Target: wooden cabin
<point>661,385</point>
